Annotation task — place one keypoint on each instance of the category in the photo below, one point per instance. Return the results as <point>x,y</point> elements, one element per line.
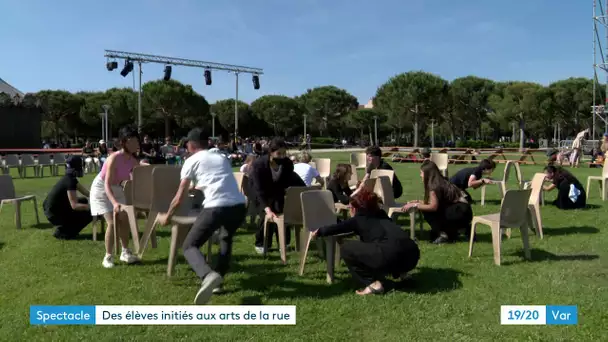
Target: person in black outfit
<point>375,161</point>
<point>472,177</point>
<point>338,184</point>
<point>445,207</point>
<point>63,208</point>
<point>271,175</point>
<point>563,181</point>
<point>384,248</point>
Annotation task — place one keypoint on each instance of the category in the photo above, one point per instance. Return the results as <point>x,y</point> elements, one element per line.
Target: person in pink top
<point>107,195</point>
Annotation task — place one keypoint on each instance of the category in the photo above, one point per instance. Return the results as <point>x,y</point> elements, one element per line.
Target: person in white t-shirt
<point>305,171</point>
<point>223,206</point>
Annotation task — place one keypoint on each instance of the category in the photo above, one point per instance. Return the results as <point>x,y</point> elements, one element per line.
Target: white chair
<point>324,167</point>
<point>442,161</point>
<point>536,185</point>
<point>502,183</point>
<point>354,178</point>
<point>513,214</point>
<point>359,160</point>
<point>384,190</point>
<point>379,173</point>
<point>602,180</point>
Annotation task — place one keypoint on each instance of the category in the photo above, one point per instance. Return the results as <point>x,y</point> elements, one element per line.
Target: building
<point>368,105</point>
<point>9,89</point>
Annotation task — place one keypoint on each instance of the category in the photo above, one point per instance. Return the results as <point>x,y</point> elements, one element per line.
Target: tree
<point>362,119</point>
<point>280,112</point>
<point>573,100</point>
<point>469,97</point>
<point>172,101</point>
<point>224,113</point>
<point>60,110</point>
<point>326,105</point>
<point>412,96</point>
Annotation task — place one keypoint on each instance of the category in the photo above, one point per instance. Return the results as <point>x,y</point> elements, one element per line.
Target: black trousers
<point>69,224</point>
<point>208,221</point>
<point>369,262</point>
<point>277,208</point>
<point>450,220</point>
<point>563,200</point>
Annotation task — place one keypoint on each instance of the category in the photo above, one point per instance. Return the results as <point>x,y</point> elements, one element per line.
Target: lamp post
<point>433,133</point>
<point>376,129</point>
<point>305,125</point>
<point>105,135</point>
<point>213,125</point>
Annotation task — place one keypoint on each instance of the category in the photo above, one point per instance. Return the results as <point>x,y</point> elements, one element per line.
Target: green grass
<point>453,298</point>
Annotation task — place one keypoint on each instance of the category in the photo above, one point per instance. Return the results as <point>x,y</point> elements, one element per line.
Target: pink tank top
<point>123,166</point>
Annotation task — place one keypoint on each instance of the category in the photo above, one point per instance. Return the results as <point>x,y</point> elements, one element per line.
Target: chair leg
<point>524,236</point>
<point>496,240</point>
<point>305,235</point>
<point>604,189</point>
<point>539,221</point>
<point>18,214</point>
<point>297,236</point>
<point>173,249</point>
<point>116,239</point>
<point>412,225</point>
<point>483,195</point>
<point>473,228</point>
<point>265,237</point>
<point>35,202</point>
<point>281,232</point>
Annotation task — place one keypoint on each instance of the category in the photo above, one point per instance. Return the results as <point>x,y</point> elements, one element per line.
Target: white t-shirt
<point>306,172</point>
<point>212,174</point>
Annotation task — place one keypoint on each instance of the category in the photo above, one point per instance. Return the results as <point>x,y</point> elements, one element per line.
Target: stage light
<point>167,73</point>
<point>256,82</point>
<point>208,77</point>
<point>127,68</point>
<point>112,65</point>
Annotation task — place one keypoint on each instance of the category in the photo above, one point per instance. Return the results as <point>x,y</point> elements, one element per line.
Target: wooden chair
<point>359,160</point>
<point>513,214</point>
<point>441,160</point>
<point>292,215</point>
<point>44,160</point>
<point>534,203</point>
<point>317,207</point>
<point>602,180</point>
<point>27,161</point>
<point>384,190</point>
<point>8,196</point>
<point>501,183</point>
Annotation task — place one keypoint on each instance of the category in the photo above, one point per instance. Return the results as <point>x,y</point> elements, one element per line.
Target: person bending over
<point>445,206</point>
<point>62,207</point>
<point>571,194</point>
<point>223,206</point>
<point>306,172</point>
<point>271,175</point>
<point>472,177</point>
<point>375,162</point>
<point>107,195</point>
<point>384,248</point>
<point>338,184</point>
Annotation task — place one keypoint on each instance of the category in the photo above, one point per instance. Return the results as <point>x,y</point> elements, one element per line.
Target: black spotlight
<point>256,82</point>
<point>208,77</point>
<point>167,73</point>
<point>127,69</point>
<point>112,65</point>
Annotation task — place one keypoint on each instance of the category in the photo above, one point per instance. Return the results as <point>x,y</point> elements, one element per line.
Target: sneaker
<point>259,250</point>
<point>212,281</point>
<point>128,257</point>
<point>108,261</point>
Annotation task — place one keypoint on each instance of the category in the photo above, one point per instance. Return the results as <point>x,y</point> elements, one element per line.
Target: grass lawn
<point>451,297</point>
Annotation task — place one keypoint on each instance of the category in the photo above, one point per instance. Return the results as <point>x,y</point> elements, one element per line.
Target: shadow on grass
<point>570,230</point>
<point>539,255</point>
<point>43,225</point>
<point>592,207</point>
<point>427,280</point>
<point>1,245</point>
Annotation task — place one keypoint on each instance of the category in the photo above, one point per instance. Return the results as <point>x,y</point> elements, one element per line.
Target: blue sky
<point>353,44</point>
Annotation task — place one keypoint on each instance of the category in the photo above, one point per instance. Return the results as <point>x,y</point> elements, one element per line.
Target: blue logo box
<point>62,315</point>
<point>562,315</point>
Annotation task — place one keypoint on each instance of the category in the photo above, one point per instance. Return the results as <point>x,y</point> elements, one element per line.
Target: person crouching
<point>62,207</point>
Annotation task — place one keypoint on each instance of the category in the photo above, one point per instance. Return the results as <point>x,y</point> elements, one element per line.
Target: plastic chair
<point>526,184</point>
<point>502,184</point>
<point>442,161</point>
<point>602,180</point>
<point>27,160</point>
<point>513,213</point>
<point>317,209</point>
<point>8,196</point>
<point>359,160</point>
<point>59,159</point>
<point>323,166</point>
<point>44,160</point>
<point>11,161</point>
<point>536,185</point>
<point>384,190</point>
<point>379,173</point>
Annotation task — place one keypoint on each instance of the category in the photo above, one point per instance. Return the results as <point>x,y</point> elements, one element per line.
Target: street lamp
<point>376,129</point>
<point>213,125</point>
<point>104,129</point>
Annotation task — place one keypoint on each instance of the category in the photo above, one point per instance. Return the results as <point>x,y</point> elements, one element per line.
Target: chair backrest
<point>440,159</point>
<point>292,211</point>
<point>384,190</point>
<point>164,184</point>
<point>7,188</point>
<point>358,159</point>
<point>537,186</point>
<point>370,184</point>
<point>313,164</point>
<point>507,170</point>
<point>379,173</point>
<point>59,158</point>
<point>514,208</point>
<point>44,159</point>
<point>354,177</point>
<point>27,160</point>
<point>317,209</point>
<point>11,160</point>
<point>128,190</point>
<point>518,174</point>
<point>239,176</point>
<point>142,186</point>
<point>323,166</point>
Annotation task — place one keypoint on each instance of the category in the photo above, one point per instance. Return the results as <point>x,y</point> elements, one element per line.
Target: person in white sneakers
<point>107,195</point>
<point>223,206</point>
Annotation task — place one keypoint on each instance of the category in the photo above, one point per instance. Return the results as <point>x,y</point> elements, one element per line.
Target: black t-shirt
<point>103,151</point>
<point>146,147</point>
<point>87,151</point>
<point>57,201</point>
<point>461,178</point>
